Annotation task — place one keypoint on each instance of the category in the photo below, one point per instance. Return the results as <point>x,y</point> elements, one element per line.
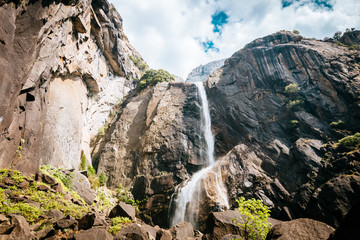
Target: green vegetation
<point>294,123</point>
<point>83,161</point>
<point>117,223</point>
<point>339,124</point>
<point>139,63</point>
<point>125,196</point>
<point>59,174</point>
<point>351,142</point>
<point>19,149</point>
<point>254,221</point>
<point>102,179</point>
<point>296,32</point>
<point>152,77</point>
<point>43,200</point>
<point>294,100</point>
<point>337,35</point>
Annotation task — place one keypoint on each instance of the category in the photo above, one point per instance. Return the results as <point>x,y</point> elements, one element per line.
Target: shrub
<point>293,104</point>
<point>338,124</point>
<point>152,77</point>
<point>337,35</point>
<point>296,32</point>
<point>117,223</point>
<point>254,221</point>
<point>139,63</point>
<point>102,179</point>
<point>294,123</point>
<point>59,174</point>
<point>350,142</point>
<point>292,88</point>
<point>83,161</point>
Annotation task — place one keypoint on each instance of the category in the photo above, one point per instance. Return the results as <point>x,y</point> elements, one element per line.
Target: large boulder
<point>349,227</point>
<point>133,231</point>
<point>93,233</point>
<point>123,210</point>
<point>182,231</point>
<point>300,229</point>
<point>81,185</point>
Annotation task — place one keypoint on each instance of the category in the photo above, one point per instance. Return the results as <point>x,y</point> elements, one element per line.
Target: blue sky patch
<point>219,19</point>
<point>209,45</point>
<point>319,3</point>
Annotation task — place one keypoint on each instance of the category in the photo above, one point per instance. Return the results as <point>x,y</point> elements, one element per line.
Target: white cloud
<point>167,33</point>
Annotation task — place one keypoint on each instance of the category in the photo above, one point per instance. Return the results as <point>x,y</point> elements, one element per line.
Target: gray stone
<point>81,185</point>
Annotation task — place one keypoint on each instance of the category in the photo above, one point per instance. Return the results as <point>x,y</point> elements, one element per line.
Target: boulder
<point>220,224</point>
<point>182,230</point>
<point>349,226</point>
<point>68,222</point>
<point>123,210</point>
<point>163,234</point>
<point>299,229</point>
<point>92,219</point>
<point>81,185</point>
<point>21,231</point>
<point>48,179</point>
<point>93,233</point>
<point>133,231</point>
<point>54,214</point>
<point>24,185</point>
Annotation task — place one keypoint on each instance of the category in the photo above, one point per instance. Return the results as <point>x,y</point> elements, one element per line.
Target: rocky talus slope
<point>64,65</point>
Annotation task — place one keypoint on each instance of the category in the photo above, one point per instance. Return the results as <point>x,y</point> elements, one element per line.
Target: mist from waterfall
<point>188,196</point>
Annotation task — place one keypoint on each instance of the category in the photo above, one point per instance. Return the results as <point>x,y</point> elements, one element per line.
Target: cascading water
<point>188,197</point>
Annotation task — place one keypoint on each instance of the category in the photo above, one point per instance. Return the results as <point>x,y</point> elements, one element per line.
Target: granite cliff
<point>64,65</point>
<point>279,107</point>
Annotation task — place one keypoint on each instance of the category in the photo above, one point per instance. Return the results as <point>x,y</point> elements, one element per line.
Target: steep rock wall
<point>274,151</point>
<point>63,66</point>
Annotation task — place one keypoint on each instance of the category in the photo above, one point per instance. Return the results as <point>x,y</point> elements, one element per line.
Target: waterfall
<point>188,196</point>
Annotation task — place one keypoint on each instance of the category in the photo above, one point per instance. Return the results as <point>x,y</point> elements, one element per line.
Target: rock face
<point>274,150</point>
<point>63,65</point>
<point>302,228</point>
<point>202,72</point>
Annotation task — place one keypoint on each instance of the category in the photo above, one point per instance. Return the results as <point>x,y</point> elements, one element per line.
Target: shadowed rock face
<point>63,65</point>
<point>267,156</point>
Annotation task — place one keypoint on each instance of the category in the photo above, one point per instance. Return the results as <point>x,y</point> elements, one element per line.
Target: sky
<point>179,35</point>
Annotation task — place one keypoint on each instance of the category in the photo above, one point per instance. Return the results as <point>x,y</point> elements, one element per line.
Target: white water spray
<point>188,199</point>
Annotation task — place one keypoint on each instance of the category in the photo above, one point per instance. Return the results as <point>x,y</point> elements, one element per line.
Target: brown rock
<point>93,234</point>
<point>182,230</point>
<point>87,221</point>
<point>57,187</point>
<point>220,224</point>
<point>123,210</point>
<point>48,179</point>
<point>68,222</point>
<point>299,229</point>
<point>8,181</point>
<point>81,185</point>
<point>45,188</point>
<point>6,229</point>
<point>38,175</point>
<point>4,220</point>
<point>230,237</point>
<point>54,214</point>
<point>163,234</point>
<point>21,229</point>
<point>349,227</point>
<point>24,185</point>
<point>133,231</point>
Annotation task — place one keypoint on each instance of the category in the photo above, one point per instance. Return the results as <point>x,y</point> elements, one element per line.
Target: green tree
<point>102,179</point>
<point>337,35</point>
<point>294,99</point>
<point>152,77</point>
<point>254,223</point>
<point>296,32</point>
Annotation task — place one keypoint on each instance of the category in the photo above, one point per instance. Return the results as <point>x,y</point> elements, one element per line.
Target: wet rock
<point>182,230</point>
<point>93,234</point>
<point>302,228</point>
<point>123,210</point>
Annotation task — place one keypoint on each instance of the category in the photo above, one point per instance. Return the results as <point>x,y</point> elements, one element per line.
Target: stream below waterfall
<point>205,186</point>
